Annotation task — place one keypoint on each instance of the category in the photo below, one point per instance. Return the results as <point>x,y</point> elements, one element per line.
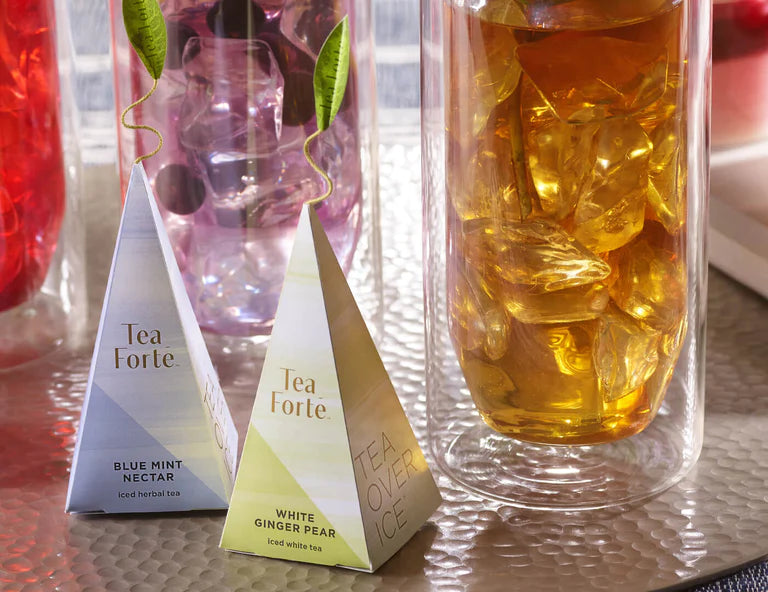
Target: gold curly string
<point>141,126</point>
<point>321,172</point>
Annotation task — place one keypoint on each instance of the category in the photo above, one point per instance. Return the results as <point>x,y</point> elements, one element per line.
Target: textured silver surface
<point>714,520</point>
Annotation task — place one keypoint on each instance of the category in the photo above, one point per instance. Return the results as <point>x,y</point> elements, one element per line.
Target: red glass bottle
<point>32,179</point>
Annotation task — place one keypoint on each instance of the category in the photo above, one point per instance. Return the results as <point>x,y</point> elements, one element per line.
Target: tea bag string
<point>142,126</point>
<point>321,172</point>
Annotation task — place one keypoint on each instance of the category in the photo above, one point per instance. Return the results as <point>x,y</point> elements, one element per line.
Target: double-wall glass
<point>565,156</point>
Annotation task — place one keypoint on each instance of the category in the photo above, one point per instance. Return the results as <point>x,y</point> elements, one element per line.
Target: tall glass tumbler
<point>235,104</point>
<point>565,153</point>
<point>42,280</point>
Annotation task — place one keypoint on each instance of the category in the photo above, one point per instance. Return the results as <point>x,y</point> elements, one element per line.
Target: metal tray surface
<point>712,522</point>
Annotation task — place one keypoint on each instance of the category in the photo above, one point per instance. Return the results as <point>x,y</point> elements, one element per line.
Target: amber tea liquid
<point>566,195</point>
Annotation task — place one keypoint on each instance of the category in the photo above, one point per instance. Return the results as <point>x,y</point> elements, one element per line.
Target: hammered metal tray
<point>713,522</point>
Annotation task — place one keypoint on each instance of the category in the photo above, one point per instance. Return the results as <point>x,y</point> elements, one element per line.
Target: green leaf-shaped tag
<point>146,31</point>
<point>331,71</point>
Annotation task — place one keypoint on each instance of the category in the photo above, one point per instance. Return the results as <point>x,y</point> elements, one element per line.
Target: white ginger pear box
<point>331,472</point>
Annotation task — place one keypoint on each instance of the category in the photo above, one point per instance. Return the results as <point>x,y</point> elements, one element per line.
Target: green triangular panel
<point>257,521</point>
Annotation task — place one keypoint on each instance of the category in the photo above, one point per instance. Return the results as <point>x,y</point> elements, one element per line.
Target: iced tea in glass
<point>566,211</point>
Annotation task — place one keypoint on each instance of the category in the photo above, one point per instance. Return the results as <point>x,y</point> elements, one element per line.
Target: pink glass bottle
<point>235,104</point>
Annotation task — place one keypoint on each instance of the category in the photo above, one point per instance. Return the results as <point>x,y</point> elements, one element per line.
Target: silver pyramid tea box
<point>155,433</point>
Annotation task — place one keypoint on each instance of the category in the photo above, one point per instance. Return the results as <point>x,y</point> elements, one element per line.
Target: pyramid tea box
<point>331,471</point>
<point>155,433</point>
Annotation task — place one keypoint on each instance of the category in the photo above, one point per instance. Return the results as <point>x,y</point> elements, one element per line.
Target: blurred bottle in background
<point>42,290</point>
<point>739,72</point>
<point>738,236</point>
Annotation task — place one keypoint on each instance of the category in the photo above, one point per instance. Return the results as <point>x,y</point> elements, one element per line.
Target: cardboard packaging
<point>331,471</point>
<point>155,432</point>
